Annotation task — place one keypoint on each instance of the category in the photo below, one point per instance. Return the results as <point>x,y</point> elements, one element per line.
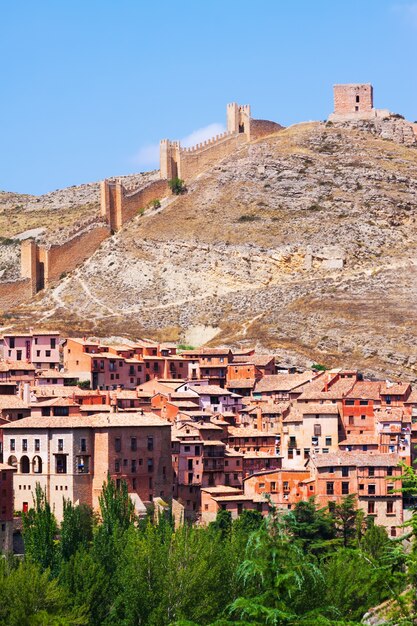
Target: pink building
<point>40,348</point>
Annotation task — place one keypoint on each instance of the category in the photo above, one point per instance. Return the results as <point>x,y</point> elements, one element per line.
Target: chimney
<point>169,397</point>
<point>20,390</point>
<point>259,418</point>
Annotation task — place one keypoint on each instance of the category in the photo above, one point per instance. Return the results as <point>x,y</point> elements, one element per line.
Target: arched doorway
<point>37,465</point>
<point>12,461</point>
<point>24,465</point>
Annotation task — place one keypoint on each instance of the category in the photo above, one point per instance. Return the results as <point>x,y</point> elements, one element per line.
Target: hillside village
<point>314,221</point>
<point>212,428</point>
<point>205,429</point>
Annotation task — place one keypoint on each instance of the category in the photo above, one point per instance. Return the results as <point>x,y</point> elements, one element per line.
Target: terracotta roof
<point>241,383</point>
<point>283,382</point>
<point>365,390</point>
<point>6,366</point>
<point>268,408</point>
<point>316,390</point>
<point>209,390</point>
<point>356,459</point>
<point>236,431</point>
<point>256,359</point>
<point>56,402</point>
<point>412,398</point>
<point>55,374</point>
<point>62,391</point>
<point>394,414</point>
<point>12,402</point>
<point>355,439</point>
<point>396,389</point>
<point>221,489</point>
<point>184,404</point>
<point>316,408</point>
<point>4,467</point>
<point>98,420</point>
<point>206,352</point>
<point>210,442</point>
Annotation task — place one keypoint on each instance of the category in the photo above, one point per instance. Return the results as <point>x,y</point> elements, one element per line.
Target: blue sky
<point>90,86</point>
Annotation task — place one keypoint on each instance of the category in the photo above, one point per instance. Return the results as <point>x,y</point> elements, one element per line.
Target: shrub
<point>184,346</point>
<point>84,384</point>
<point>177,186</point>
<point>319,367</point>
<point>248,218</point>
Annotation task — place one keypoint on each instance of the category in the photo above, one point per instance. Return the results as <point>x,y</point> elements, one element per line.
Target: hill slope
<point>230,254</point>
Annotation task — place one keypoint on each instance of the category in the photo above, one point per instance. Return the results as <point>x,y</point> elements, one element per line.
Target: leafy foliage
<point>306,567</point>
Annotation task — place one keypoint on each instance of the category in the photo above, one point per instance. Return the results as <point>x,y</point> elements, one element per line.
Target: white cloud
<point>147,157</point>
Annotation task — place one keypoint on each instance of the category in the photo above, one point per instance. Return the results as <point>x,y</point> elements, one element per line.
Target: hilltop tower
<point>355,102</point>
<point>238,118</point>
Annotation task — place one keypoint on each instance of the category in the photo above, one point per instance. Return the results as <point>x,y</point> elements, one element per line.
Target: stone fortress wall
<point>43,265</point>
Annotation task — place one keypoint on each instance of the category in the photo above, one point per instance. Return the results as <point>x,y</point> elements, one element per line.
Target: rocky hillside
<point>231,257</point>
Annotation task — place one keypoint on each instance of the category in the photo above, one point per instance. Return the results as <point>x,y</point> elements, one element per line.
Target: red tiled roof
<point>356,459</point>
<point>283,382</point>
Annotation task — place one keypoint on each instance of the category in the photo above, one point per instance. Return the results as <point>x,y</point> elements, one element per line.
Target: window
<point>133,444</point>
<point>345,471</point>
<point>306,453</point>
<point>53,343</point>
<point>60,411</point>
<point>363,402</point>
<point>317,430</point>
<point>390,508</point>
<point>393,532</point>
<point>356,108</point>
<point>24,445</point>
<point>12,342</point>
<point>371,471</point>
<point>60,444</point>
<point>197,450</point>
<point>61,464</point>
<point>83,445</point>
<point>290,454</point>
<point>371,508</point>
<point>292,442</point>
<point>117,444</point>
<point>331,470</point>
<point>345,489</point>
<point>273,486</point>
<point>18,355</point>
<point>286,485</point>
<point>389,471</point>
<point>117,466</point>
<point>12,444</point>
<point>133,466</point>
<point>150,444</point>
<point>328,441</point>
<point>371,490</point>
<point>349,402</point>
<point>351,419</point>
<point>330,488</point>
<point>390,488</point>
<point>37,445</point>
<point>150,465</point>
<point>47,353</point>
<point>357,98</point>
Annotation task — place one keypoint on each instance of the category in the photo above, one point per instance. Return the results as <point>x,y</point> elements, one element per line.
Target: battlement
<point>186,163</point>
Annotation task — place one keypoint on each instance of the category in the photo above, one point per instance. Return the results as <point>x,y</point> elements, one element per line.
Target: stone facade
<point>355,101</point>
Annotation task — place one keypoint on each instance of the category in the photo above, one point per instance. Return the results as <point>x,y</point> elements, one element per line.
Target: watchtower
<point>238,118</point>
<point>353,99</point>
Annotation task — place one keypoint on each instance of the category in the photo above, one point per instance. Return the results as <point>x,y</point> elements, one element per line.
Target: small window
<point>371,508</point>
<point>37,445</point>
<point>24,445</point>
<point>390,508</point>
<point>150,444</point>
<point>12,444</point>
<point>150,465</point>
<point>330,488</point>
<point>117,444</point>
<point>345,488</point>
<point>371,490</point>
<point>357,98</point>
<point>371,471</point>
<point>83,445</point>
<point>133,444</point>
<point>328,441</point>
<point>60,445</point>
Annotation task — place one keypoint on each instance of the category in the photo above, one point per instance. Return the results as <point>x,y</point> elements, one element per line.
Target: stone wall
<point>14,293</point>
<point>262,128</point>
<point>195,160</point>
<point>353,98</point>
<point>118,206</point>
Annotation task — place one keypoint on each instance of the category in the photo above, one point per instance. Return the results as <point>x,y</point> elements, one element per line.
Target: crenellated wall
<point>118,206</point>
<point>186,163</point>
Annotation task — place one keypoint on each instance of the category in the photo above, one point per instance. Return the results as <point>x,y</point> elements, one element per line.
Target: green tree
<point>76,528</point>
<point>30,598</point>
<point>348,520</point>
<point>39,532</point>
<point>222,523</point>
<point>177,186</point>
<point>313,528</point>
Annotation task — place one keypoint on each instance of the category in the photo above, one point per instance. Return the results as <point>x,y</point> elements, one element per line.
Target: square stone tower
<point>353,99</point>
<point>238,118</point>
